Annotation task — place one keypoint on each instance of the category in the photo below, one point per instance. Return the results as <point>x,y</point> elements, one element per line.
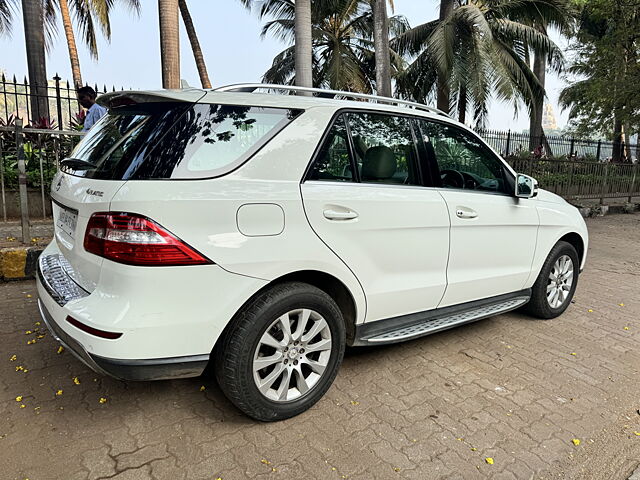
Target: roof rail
<point>321,92</point>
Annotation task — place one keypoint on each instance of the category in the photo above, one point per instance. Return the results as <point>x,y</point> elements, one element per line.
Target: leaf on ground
<point>489,460</point>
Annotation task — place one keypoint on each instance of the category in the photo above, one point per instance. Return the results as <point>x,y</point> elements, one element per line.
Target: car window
<point>169,140</point>
<point>383,148</point>
<point>464,162</point>
<point>333,162</point>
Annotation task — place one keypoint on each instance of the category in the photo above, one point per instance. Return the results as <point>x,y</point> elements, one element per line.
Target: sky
<point>233,50</point>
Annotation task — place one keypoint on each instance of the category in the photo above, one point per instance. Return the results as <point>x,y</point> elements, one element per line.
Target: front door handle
<point>337,215</point>
<point>463,212</point>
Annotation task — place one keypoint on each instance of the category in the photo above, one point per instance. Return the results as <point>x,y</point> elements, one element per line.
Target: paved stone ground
<point>509,388</point>
<point>11,233</point>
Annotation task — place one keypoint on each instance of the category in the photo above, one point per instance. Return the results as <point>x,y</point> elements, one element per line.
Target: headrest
<point>379,163</point>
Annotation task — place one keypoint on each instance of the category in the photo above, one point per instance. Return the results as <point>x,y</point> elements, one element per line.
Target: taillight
<point>136,240</point>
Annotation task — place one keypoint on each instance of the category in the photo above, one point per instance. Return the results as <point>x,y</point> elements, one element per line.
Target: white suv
<point>260,234</point>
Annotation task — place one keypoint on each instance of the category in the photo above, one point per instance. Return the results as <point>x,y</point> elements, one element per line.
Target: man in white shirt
<point>87,98</point>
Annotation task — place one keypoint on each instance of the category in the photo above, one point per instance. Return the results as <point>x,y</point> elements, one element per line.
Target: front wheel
<point>556,283</point>
<point>281,353</point>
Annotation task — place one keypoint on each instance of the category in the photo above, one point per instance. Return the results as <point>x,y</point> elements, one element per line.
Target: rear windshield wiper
<point>77,163</point>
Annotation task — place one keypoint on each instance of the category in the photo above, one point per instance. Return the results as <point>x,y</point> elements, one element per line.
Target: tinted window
<point>464,162</point>
<point>332,161</point>
<point>384,149</point>
<point>167,140</point>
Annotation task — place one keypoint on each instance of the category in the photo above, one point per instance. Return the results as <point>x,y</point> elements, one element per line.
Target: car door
<point>363,196</point>
<point>493,233</point>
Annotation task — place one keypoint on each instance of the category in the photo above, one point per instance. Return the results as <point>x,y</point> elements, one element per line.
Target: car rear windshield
<point>174,140</point>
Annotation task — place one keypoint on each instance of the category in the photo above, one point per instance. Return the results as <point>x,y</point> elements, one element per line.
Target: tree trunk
<point>303,45</point>
<point>446,7</point>
<point>381,44</point>
<point>535,122</point>
<point>617,145</point>
<point>462,104</point>
<point>71,44</point>
<point>169,43</point>
<point>195,44</point>
<point>36,61</point>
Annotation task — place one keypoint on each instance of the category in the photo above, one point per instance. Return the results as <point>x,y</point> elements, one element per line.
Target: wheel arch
<point>326,282</point>
<point>576,240</point>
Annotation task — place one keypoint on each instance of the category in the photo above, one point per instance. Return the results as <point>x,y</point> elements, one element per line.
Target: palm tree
<point>169,43</point>
<point>443,100</point>
<point>195,44</point>
<point>477,50</point>
<point>87,14</point>
<point>381,45</point>
<point>303,58</point>
<point>34,36</point>
<point>303,53</point>
<point>343,56</point>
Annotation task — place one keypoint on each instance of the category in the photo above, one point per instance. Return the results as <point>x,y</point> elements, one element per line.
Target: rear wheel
<point>281,353</point>
<point>556,283</point>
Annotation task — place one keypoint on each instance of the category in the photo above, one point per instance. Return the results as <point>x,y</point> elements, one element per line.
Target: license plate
<point>67,221</point>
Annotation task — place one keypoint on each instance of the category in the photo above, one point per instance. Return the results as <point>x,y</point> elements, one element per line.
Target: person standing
<point>87,98</point>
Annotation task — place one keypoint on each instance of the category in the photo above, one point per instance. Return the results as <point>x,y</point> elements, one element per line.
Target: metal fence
<point>57,107</point>
<point>29,158</point>
<point>512,144</point>
<point>576,180</point>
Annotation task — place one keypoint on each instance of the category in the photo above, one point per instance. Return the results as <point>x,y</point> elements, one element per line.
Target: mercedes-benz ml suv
<point>259,234</point>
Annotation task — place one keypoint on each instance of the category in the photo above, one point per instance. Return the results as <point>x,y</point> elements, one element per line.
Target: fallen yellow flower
<point>58,393</point>
<point>76,380</point>
<point>28,332</point>
<point>102,400</point>
<point>265,461</point>
<point>60,349</point>
<point>13,358</point>
<point>22,406</point>
<point>29,296</point>
<point>473,449</point>
<point>590,311</point>
<point>19,398</point>
<point>19,367</point>
<point>30,342</point>
<point>202,388</point>
<point>489,460</point>
<point>37,324</point>
<point>576,441</point>
<point>621,304</point>
<point>626,328</point>
<point>355,402</point>
<point>637,434</point>
<point>40,336</point>
<point>573,353</point>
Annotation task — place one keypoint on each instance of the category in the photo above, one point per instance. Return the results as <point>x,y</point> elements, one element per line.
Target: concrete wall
<point>34,200</point>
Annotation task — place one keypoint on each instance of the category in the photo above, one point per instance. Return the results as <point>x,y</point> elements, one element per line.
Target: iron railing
<point>58,108</point>
<point>577,180</point>
<point>513,144</point>
<point>29,158</point>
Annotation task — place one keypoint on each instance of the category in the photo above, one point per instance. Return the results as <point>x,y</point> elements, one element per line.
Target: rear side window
<point>333,161</point>
<point>382,151</point>
<point>175,141</point>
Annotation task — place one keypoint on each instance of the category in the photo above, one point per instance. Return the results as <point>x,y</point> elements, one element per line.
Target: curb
<point>602,210</point>
<point>19,263</point>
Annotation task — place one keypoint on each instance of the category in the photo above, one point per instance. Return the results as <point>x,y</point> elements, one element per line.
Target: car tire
<point>554,279</point>
<point>291,379</point>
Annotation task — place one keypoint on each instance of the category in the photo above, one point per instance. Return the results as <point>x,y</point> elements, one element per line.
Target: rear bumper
<point>148,369</point>
<point>169,318</point>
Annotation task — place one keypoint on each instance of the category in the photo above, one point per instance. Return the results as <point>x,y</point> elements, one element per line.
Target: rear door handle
<point>337,215</point>
<point>463,212</point>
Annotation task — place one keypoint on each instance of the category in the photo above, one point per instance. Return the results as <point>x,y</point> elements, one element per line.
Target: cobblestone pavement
<point>508,388</point>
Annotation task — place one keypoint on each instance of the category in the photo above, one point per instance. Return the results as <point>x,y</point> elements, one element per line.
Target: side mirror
<point>526,186</point>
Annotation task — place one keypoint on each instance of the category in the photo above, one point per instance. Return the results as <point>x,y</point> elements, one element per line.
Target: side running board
<point>416,325</point>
